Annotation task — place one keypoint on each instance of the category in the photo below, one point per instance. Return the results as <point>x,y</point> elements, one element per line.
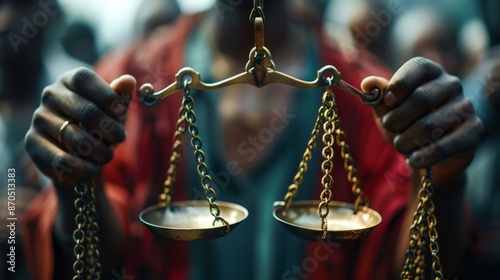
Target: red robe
<point>141,161</point>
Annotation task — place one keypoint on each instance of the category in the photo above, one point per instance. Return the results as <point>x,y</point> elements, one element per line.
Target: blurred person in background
<point>154,13</point>
<point>23,27</point>
<point>79,41</point>
<point>231,122</point>
<point>482,86</point>
<point>367,24</point>
<point>429,31</point>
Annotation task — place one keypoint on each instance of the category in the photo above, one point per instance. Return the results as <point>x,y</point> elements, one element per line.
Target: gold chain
<point>199,156</point>
<point>423,236</point>
<point>93,254</point>
<point>333,132</point>
<point>257,11</point>
<point>349,166</point>
<point>85,236</point>
<point>306,157</point>
<point>327,153</point>
<point>165,197</point>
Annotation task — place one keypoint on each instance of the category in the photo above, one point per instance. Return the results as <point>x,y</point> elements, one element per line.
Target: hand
<point>97,112</point>
<point>425,116</point>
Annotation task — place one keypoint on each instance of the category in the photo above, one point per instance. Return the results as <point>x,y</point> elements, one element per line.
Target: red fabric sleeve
<point>37,224</point>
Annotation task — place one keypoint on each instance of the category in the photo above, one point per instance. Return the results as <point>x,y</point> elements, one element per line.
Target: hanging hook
<point>260,60</point>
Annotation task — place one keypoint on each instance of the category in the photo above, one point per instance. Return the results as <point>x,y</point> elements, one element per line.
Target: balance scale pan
<point>191,220</point>
<point>302,219</point>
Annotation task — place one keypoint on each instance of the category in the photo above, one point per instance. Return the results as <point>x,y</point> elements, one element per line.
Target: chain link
<point>306,157</point>
<point>165,197</point>
<point>327,153</point>
<point>423,236</point>
<point>349,166</point>
<point>93,253</point>
<point>85,236</point>
<point>257,11</point>
<point>199,156</point>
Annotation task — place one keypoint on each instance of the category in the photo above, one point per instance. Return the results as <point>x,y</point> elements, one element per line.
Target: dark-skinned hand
<point>425,116</point>
<point>97,112</point>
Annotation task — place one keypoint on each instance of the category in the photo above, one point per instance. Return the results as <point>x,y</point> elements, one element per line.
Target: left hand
<point>425,116</point>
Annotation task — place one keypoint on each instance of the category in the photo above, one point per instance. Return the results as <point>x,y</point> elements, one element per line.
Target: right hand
<point>97,112</point>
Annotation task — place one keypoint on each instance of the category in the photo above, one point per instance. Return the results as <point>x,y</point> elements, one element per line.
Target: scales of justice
<point>322,220</point>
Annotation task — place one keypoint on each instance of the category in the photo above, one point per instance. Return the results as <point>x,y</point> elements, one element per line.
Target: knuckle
<point>48,94</point>
<point>81,75</point>
<point>465,109</point>
<point>444,150</point>
<point>467,106</point>
<point>401,82</point>
<point>80,139</point>
<point>420,98</point>
<point>427,124</point>
<point>427,66</point>
<point>400,144</point>
<point>38,119</point>
<point>88,110</point>
<point>478,130</point>
<point>389,124</point>
<point>105,155</point>
<point>420,61</point>
<point>456,84</point>
<point>29,141</point>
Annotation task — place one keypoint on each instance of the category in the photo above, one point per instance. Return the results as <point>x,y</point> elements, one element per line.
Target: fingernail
<point>390,99</point>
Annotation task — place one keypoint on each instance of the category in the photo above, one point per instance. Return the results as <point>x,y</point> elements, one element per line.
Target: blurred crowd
<point>41,39</point>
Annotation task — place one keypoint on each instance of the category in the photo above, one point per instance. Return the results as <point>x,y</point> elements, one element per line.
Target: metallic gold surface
<point>190,220</point>
<point>302,219</point>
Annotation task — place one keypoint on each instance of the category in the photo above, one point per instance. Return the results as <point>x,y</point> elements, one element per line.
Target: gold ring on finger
<point>61,132</point>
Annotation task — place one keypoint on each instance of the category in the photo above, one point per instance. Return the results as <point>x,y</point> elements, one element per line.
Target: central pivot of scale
<point>195,220</point>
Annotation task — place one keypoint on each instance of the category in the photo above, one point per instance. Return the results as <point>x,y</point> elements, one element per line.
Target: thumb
<point>124,86</point>
<point>382,108</point>
<point>377,82</point>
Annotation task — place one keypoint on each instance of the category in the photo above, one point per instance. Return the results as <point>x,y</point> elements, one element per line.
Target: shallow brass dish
<point>302,219</point>
<point>191,220</point>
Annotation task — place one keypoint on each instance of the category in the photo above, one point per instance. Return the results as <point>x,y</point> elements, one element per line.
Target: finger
<point>421,101</point>
<point>434,126</point>
<point>453,144</point>
<point>63,167</point>
<point>125,87</point>
<point>411,75</point>
<point>93,88</point>
<point>75,138</point>
<point>80,110</point>
<point>368,84</point>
